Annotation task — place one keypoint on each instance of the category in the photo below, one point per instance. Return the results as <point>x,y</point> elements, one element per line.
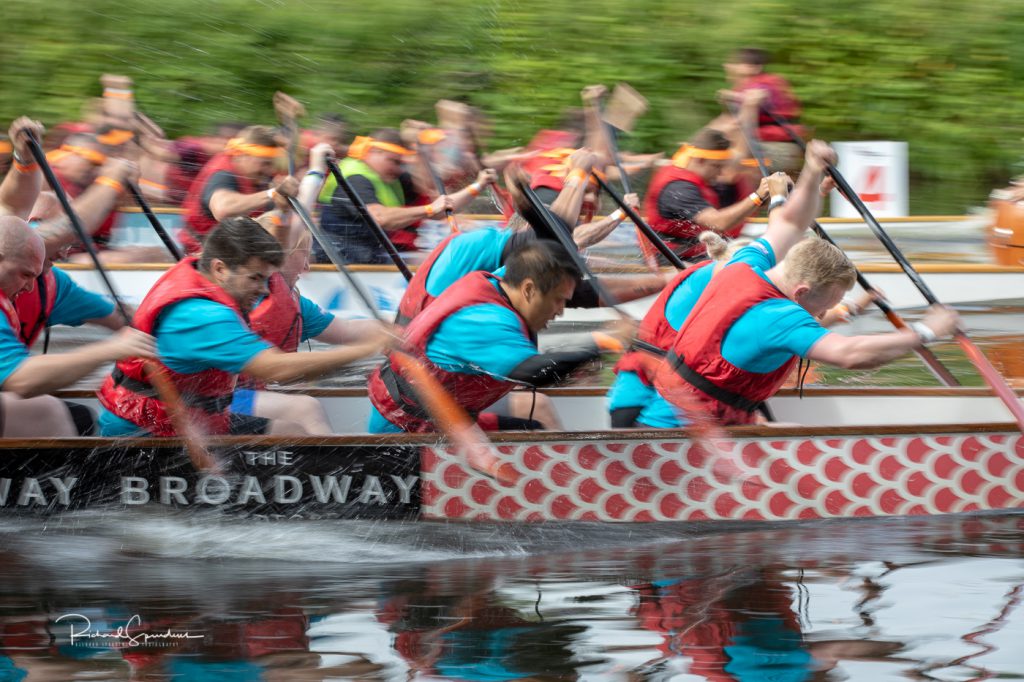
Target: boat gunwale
<point>600,391</point>
<point>517,437</point>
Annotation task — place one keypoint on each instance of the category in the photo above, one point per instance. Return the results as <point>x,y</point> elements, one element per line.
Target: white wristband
<point>270,194</point>
<point>776,202</point>
<point>618,215</point>
<point>924,332</point>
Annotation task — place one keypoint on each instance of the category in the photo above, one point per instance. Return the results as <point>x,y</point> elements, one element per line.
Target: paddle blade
<point>202,459</point>
<point>453,421</point>
<point>993,378</point>
<point>624,107</point>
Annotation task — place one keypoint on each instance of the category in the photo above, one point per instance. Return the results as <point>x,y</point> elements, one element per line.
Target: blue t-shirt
<point>12,351</point>
<point>73,305</point>
<point>459,345</point>
<point>771,332</point>
<point>191,336</point>
<point>314,319</point>
<point>470,251</point>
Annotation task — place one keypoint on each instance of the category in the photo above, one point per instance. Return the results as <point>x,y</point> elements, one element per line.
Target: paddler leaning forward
<point>198,313</point>
<point>479,340</point>
<point>763,311</point>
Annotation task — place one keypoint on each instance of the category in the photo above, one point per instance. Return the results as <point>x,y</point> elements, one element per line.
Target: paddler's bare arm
<point>225,203</point>
<point>392,218</point>
<point>874,350</point>
<point>42,374</point>
<point>19,189</point>
<point>594,232</point>
<point>788,223</point>
<point>724,219</point>
<point>283,368</point>
<point>92,206</point>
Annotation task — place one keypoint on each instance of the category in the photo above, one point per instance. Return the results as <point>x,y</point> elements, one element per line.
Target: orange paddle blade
<point>993,378</point>
<point>453,421</point>
<point>201,458</point>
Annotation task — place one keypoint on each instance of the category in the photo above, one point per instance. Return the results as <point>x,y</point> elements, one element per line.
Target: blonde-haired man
<point>762,313</point>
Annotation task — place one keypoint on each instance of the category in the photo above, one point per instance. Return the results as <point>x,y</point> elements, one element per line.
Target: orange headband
<point>115,137</point>
<point>236,147</point>
<point>361,146</point>
<point>687,152</point>
<point>91,155</point>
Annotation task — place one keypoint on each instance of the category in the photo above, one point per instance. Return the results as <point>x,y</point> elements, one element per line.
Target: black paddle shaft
<point>373,225</point>
<point>168,241</point>
<point>642,225</point>
<point>556,228</point>
<point>334,256</point>
<point>76,223</point>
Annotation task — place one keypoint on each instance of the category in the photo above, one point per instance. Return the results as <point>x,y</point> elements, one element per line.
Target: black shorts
<point>247,425</point>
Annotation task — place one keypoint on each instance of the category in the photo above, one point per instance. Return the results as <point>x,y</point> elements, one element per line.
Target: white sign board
<point>877,171</point>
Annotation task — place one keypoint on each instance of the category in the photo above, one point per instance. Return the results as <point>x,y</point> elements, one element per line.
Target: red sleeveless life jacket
<point>392,395</point>
<point>695,364</point>
<point>655,328</point>
<point>206,394</point>
<point>681,235</point>
<point>781,101</point>
<point>277,319</point>
<point>34,308</point>
<point>416,298</point>
<point>198,219</point>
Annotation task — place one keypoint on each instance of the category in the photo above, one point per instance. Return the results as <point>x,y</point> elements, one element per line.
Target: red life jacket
<point>681,235</point>
<point>695,365</point>
<point>655,328</point>
<point>206,394</point>
<point>34,308</point>
<point>781,101</point>
<point>392,395</point>
<point>278,319</point>
<point>416,298</point>
<point>198,219</point>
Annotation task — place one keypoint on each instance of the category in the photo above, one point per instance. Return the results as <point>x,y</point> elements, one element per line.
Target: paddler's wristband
<point>270,195</point>
<point>776,202</point>
<point>756,198</point>
<point>924,332</point>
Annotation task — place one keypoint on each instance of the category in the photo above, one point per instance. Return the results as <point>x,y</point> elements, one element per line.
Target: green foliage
<point>940,74</point>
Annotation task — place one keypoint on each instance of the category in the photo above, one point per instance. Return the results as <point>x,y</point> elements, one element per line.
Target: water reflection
<point>861,600</point>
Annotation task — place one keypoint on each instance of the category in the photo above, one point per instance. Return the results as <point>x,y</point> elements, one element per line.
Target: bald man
<point>25,409</point>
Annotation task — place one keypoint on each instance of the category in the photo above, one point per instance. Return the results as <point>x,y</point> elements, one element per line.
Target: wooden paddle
<point>289,110</point>
<point>449,417</point>
<point>168,241</point>
<point>708,433</point>
<point>989,373</point>
<point>940,371</point>
<point>624,106</point>
<point>368,220</point>
<point>201,458</point>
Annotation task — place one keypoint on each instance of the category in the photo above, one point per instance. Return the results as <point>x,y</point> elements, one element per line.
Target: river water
<point>860,600</point>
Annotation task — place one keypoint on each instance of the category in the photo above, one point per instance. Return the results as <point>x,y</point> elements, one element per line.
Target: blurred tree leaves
<point>941,74</point>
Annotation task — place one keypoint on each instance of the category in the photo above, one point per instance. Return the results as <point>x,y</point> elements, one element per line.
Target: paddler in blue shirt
<point>26,409</point>
<point>198,313</point>
<point>479,339</point>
